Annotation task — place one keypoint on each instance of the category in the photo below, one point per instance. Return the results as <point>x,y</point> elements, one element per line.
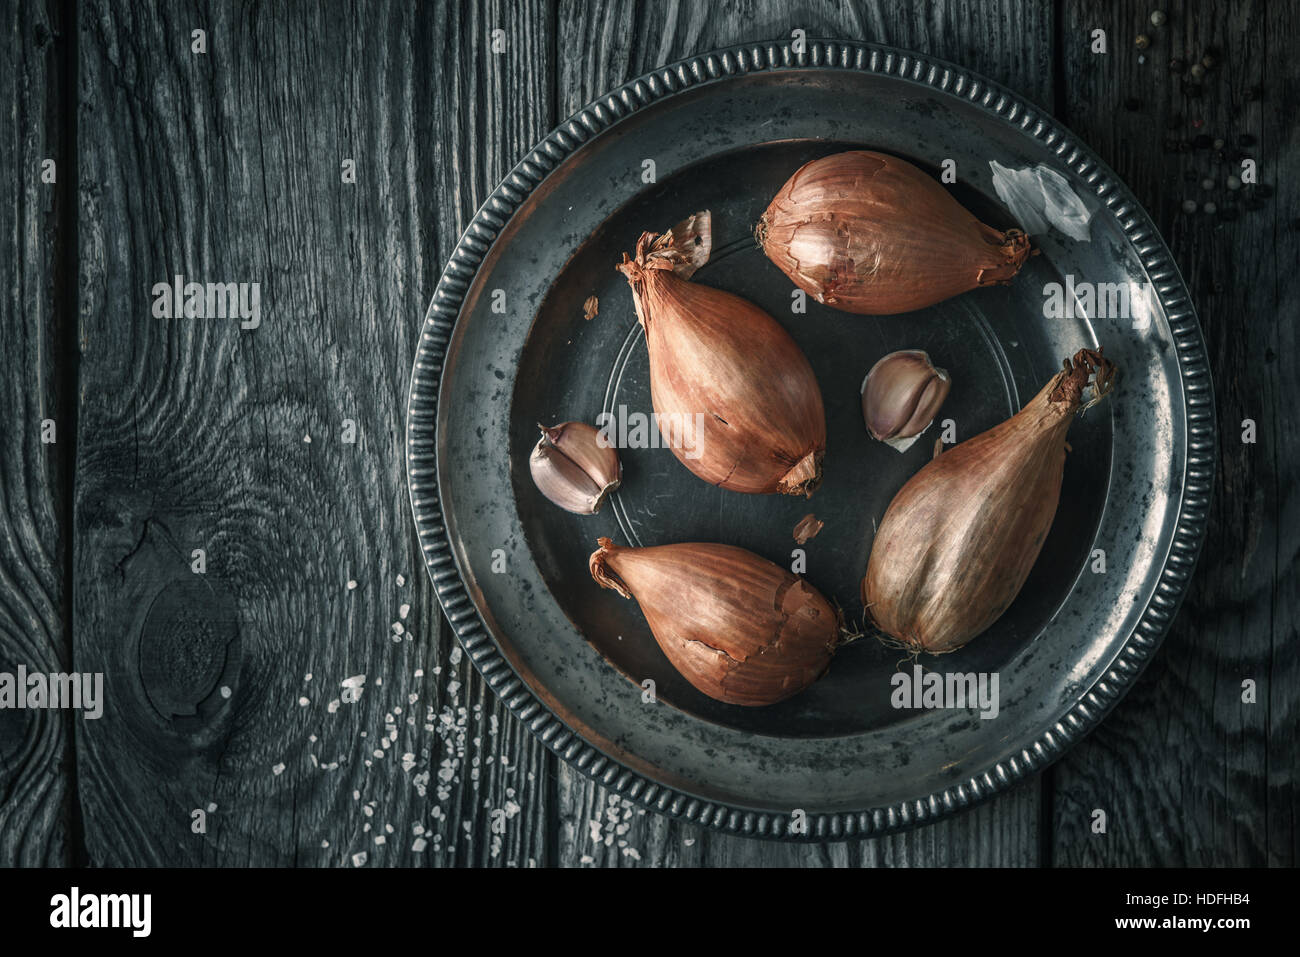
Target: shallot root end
<point>804,478</point>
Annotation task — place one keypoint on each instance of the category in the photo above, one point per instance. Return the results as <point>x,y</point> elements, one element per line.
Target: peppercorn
<point>1142,41</point>
<point>1184,146</point>
<point>1158,18</point>
<point>1207,183</point>
<point>1197,71</point>
<point>1208,61</point>
<point>1218,143</point>
<point>1210,209</point>
<point>1177,65</point>
<point>1189,206</point>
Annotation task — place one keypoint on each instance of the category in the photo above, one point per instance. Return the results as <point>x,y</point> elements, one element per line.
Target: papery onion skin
<point>739,628</point>
<point>959,539</point>
<point>871,234</point>
<point>722,362</point>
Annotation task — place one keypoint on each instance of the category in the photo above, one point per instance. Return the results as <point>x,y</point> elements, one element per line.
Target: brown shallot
<point>958,540</point>
<point>870,233</point>
<point>739,628</point>
<point>733,395</point>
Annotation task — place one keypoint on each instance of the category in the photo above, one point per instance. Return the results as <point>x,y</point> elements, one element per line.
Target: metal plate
<point>724,132</point>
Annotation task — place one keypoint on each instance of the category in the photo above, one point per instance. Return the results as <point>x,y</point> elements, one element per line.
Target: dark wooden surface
<point>187,434</point>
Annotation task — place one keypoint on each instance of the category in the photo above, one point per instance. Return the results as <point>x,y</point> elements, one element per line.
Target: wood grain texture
<point>605,44</point>
<point>1188,773</point>
<point>225,689</point>
<point>35,746</point>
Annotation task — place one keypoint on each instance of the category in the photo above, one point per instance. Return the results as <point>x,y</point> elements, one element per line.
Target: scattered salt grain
<point>403,611</point>
<point>225,692</point>
<point>278,769</point>
<point>418,845</point>
<point>380,839</point>
<point>359,859</point>
<point>307,439</point>
<point>401,580</point>
<point>351,584</point>
<point>397,628</point>
<point>303,702</point>
<point>211,808</point>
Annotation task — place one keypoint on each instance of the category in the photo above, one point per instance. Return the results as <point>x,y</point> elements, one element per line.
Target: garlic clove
<point>901,396</point>
<point>574,467</point>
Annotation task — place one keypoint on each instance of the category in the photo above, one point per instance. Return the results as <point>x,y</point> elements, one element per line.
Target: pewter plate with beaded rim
<point>505,345</point>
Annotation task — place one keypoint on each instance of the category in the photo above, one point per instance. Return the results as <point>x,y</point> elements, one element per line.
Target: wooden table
<point>277,451</point>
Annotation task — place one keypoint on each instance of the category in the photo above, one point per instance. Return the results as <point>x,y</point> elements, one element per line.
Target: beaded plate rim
<point>717,66</point>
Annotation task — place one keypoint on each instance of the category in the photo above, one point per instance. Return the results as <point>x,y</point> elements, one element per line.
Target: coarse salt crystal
<point>351,584</point>
<point>278,769</point>
<point>404,610</point>
<point>401,580</point>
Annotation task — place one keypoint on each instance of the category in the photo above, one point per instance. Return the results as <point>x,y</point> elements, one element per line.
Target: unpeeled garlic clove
<point>901,396</point>
<point>574,467</point>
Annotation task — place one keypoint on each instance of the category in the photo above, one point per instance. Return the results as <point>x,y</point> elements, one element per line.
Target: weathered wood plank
<point>602,45</point>
<point>1187,773</point>
<point>277,450</point>
<point>35,746</point>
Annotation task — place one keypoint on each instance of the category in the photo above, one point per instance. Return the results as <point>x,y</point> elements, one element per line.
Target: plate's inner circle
<point>993,343</point>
